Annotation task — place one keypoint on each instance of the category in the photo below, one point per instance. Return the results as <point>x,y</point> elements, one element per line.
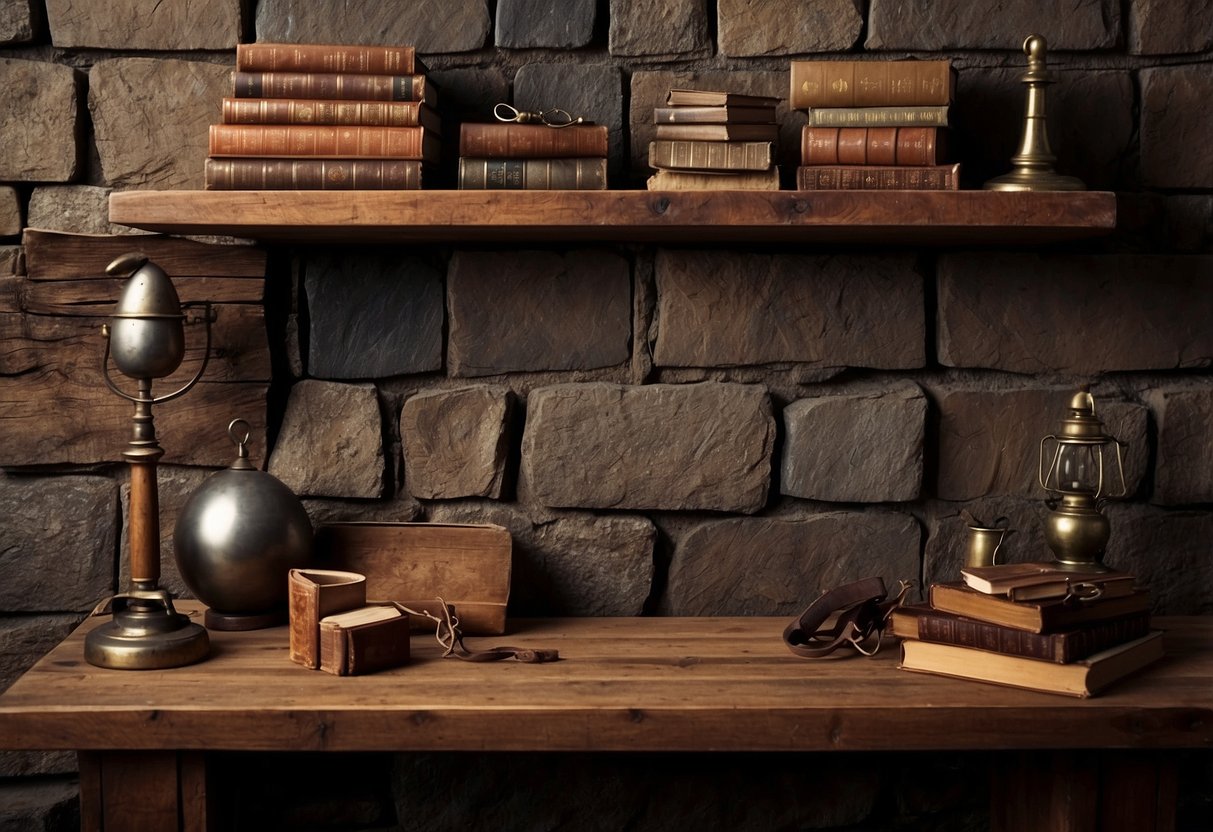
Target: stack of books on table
<point>1033,626</point>
<point>708,140</point>
<point>536,157</point>
<point>325,117</point>
<point>874,125</point>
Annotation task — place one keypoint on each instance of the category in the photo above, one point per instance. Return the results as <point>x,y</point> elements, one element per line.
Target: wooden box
<point>468,566</point>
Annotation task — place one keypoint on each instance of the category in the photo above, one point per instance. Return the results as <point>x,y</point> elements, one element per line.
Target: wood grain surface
<point>622,683</point>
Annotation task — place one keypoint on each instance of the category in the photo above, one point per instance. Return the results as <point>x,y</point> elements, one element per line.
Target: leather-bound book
<point>714,115</point>
<point>324,141</point>
<point>325,57</point>
<point>720,156</point>
<point>871,146</point>
<point>877,116</point>
<point>533,174</point>
<point>532,141</point>
<point>878,178</point>
<point>718,132</point>
<point>259,174</point>
<point>334,85</point>
<point>313,594</point>
<point>364,640</point>
<point>717,98</point>
<point>320,111</point>
<point>870,83</point>
<point>689,180</point>
<point>1046,616</point>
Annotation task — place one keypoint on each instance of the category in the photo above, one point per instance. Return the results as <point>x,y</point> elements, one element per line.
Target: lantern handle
<point>1041,475</point>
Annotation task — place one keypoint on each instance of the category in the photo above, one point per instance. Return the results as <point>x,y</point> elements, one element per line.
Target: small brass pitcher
<point>985,541</point>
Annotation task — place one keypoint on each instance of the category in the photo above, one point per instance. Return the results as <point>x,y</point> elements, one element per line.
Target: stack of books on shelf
<point>1033,626</point>
<point>708,140</point>
<point>325,117</point>
<point>874,125</point>
<point>535,157</point>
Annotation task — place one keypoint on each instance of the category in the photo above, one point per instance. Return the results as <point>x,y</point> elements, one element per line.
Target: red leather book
<point>532,141</point>
<point>311,141</point>
<point>871,146</point>
<point>333,85</point>
<point>323,57</point>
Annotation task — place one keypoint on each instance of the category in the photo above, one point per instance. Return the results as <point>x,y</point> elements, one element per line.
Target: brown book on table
<point>689,180</point>
<point>532,141</point>
<point>877,116</point>
<point>919,621</point>
<point>328,57</point>
<point>334,85</point>
<point>259,174</point>
<point>364,640</point>
<point>718,132</point>
<point>718,156</point>
<point>1045,616</point>
<point>1032,580</point>
<point>871,146</point>
<point>870,83</point>
<point>321,111</point>
<point>1082,678</point>
<point>878,178</point>
<point>324,141</point>
<point>313,594</point>
<point>533,174</point>
<point>714,115</point>
<point>717,98</point>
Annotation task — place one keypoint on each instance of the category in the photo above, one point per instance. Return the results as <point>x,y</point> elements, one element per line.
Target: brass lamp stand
<point>146,338</point>
<point>1032,166</point>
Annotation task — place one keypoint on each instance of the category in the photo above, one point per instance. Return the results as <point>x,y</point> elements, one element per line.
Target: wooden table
<point>638,684</point>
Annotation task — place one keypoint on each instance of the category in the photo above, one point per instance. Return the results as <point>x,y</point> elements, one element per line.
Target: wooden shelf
<point>888,217</point>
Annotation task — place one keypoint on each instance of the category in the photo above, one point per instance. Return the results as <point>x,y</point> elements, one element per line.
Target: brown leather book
<point>364,640</point>
<point>1047,616</point>
<point>532,141</point>
<point>871,146</point>
<point>324,141</point>
<point>533,174</point>
<point>717,98</point>
<point>877,116</point>
<point>870,83</point>
<point>718,156</point>
<point>714,115</point>
<point>685,180</point>
<point>878,178</point>
<point>313,594</point>
<point>918,621</point>
<point>320,111</point>
<point>333,85</point>
<point>259,174</point>
<point>324,57</point>
<point>718,132</point>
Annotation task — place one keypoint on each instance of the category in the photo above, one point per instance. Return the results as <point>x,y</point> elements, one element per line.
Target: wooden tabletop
<point>622,684</point>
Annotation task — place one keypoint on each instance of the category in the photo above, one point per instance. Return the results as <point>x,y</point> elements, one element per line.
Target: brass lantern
<point>1077,472</point>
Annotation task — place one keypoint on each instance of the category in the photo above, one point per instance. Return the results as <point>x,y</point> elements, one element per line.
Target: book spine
<point>1061,648</point>
<point>869,146</point>
<point>319,140</point>
<point>304,57</point>
<point>533,174</point>
<point>318,111</point>
<point>528,141</point>
<point>714,115</point>
<point>869,83</point>
<point>878,117</point>
<point>329,85</point>
<point>725,156</point>
<point>882,178</point>
<point>312,175</point>
<point>681,180</point>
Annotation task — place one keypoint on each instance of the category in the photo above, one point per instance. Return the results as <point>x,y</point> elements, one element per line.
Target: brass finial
<point>1032,166</point>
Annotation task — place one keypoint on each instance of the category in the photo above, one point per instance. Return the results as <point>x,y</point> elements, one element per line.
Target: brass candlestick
<point>146,338</point>
<point>1032,166</point>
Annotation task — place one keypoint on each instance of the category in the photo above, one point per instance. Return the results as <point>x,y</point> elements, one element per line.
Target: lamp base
<point>146,635</point>
<point>1029,179</point>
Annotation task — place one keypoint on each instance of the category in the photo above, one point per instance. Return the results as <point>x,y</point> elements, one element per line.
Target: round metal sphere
<point>237,537</point>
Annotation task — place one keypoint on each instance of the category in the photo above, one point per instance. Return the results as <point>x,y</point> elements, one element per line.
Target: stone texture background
<point>664,430</point>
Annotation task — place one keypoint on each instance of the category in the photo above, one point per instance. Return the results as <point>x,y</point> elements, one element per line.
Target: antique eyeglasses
<point>554,117</point>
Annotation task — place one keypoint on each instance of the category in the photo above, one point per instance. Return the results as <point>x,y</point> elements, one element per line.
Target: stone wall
<point>672,430</point>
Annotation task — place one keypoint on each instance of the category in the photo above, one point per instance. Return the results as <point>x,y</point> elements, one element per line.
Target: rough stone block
<point>663,446</point>
<point>948,533</point>
<point>10,212</point>
<point>989,440</point>
<point>1077,314</point>
<point>659,28</point>
<point>468,94</point>
<point>138,24</point>
<point>17,21</point>
<point>39,115</point>
<point>331,441</point>
<point>78,209</point>
<point>372,315</point>
<point>556,24</point>
<point>573,563</point>
<point>1183,472</point>
<point>59,538</point>
<point>1169,553</point>
<point>786,27</point>
<point>1176,122</point>
<point>12,260</point>
<point>862,448</point>
<point>456,442</point>
<point>726,308</point>
<point>594,92</point>
<point>649,89</point>
<point>401,509</point>
<point>175,484</point>
<point>959,24</point>
<point>777,565</point>
<point>1170,27</point>
<point>51,805</point>
<point>151,119</point>
<point>537,310</point>
<point>988,112</point>
<point>430,25</point>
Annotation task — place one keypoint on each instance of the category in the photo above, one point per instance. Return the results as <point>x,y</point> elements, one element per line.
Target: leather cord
<point>450,636</point>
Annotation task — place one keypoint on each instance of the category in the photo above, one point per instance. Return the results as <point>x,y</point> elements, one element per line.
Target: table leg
<point>143,791</point>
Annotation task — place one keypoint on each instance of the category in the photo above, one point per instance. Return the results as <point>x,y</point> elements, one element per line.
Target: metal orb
<point>238,535</point>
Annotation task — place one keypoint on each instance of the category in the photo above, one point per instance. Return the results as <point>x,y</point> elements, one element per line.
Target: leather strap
<point>451,637</point>
<point>862,608</point>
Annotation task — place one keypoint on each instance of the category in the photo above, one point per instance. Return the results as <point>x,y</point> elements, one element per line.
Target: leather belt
<point>862,609</point>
